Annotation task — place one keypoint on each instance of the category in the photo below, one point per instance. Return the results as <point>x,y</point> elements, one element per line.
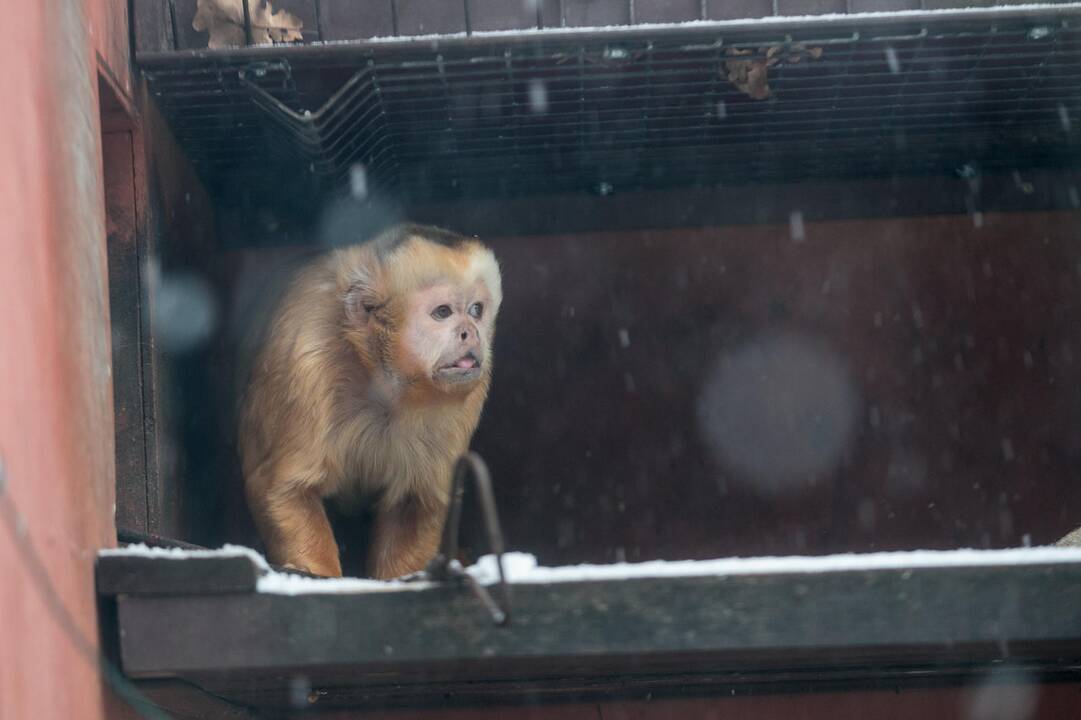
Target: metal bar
<point>482,70</point>
<point>444,566</point>
<point>1028,14</point>
<point>551,63</point>
<point>247,22</point>
<point>992,88</point>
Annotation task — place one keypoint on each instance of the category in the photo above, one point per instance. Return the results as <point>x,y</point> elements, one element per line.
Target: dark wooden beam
<point>184,700</point>
<point>152,25</point>
<point>841,619</point>
<point>271,694</point>
<point>149,575</point>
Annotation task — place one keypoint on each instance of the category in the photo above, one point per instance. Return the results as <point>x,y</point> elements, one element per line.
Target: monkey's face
<point>448,333</point>
<point>421,309</point>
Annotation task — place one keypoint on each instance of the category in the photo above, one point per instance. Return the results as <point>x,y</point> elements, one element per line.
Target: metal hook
<point>443,567</point>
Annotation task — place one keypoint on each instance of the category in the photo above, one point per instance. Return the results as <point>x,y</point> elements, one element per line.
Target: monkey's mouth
<point>467,367</point>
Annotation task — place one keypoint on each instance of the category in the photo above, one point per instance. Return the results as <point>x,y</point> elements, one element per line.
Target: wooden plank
<point>1032,701</point>
<point>550,13</point>
<point>125,309</point>
<point>864,620</point>
<point>596,13</point>
<point>501,15</point>
<point>422,17</point>
<point>183,700</point>
<point>748,696</point>
<point>654,11</point>
<point>736,9</point>
<point>858,6</point>
<point>351,20</point>
<point>810,7</point>
<point>153,23</point>
<point>176,232</point>
<point>187,38</point>
<point>147,575</point>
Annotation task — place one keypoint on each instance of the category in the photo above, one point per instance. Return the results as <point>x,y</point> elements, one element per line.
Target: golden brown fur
<point>355,394</point>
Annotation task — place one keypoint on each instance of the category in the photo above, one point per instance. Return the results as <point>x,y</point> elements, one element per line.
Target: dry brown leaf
<point>224,21</point>
<point>278,27</point>
<point>751,75</point>
<point>797,52</point>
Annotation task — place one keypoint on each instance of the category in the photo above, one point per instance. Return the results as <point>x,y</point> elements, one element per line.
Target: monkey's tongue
<point>466,362</point>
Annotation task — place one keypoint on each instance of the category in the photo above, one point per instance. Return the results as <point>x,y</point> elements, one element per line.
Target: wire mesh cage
<point>601,115</point>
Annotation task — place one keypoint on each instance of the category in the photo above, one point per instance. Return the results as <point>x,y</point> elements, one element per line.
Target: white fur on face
<point>432,343</point>
<point>484,268</point>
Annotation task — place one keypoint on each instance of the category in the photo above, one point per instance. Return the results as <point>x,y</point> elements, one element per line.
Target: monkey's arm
<point>407,536</point>
<point>294,525</point>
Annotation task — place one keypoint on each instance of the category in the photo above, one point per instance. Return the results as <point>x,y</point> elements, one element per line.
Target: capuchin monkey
<point>368,385</point>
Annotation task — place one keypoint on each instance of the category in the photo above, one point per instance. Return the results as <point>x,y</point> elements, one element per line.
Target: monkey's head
<point>420,305</point>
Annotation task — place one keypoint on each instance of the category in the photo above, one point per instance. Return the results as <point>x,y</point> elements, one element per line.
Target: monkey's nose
<point>467,337</point>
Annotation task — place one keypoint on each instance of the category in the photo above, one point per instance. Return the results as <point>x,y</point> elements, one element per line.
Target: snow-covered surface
<point>780,21</point>
<point>141,550</point>
<point>522,568</point>
<point>269,581</point>
<point>278,583</point>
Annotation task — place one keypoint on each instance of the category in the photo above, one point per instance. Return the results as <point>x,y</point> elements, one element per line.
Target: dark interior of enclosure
<point>895,226</point>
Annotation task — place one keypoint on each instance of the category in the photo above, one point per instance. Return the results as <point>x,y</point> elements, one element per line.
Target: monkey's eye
<point>442,312</point>
<point>476,310</point>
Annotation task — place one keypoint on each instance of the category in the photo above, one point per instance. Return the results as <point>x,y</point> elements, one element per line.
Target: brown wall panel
<point>181,308</point>
<point>957,340</point>
<point>125,306</point>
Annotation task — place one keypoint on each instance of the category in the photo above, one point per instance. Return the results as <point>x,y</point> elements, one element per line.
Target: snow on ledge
<point>269,581</point>
<point>226,551</point>
<point>522,568</point>
<point>277,583</point>
<point>769,21</point>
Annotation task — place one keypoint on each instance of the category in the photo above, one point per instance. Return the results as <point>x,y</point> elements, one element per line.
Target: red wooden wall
<point>56,435</point>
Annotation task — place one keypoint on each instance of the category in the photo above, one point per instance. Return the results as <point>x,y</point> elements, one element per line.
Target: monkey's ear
<point>361,302</point>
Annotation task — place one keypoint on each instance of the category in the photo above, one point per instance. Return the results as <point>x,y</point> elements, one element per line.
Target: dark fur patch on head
<point>392,239</point>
